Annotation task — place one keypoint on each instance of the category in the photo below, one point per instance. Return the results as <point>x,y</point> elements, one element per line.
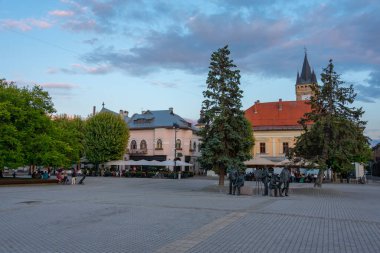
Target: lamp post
<point>175,127</point>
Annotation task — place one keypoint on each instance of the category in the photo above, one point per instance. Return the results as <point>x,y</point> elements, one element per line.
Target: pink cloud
<point>20,25</point>
<point>25,24</point>
<point>61,13</point>
<point>91,70</point>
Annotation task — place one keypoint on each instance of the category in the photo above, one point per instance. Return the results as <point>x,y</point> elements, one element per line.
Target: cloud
<point>91,41</point>
<point>61,13</point>
<point>60,86</point>
<point>25,24</point>
<point>267,39</point>
<point>164,84</point>
<point>82,69</point>
<point>371,91</point>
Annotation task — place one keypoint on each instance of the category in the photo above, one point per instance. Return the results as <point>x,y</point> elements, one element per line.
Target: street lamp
<point>175,127</point>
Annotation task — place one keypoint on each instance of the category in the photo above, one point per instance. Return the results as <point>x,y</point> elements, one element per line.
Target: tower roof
<point>307,76</point>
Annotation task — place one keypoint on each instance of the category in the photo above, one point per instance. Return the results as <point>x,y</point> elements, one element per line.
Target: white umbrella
<point>259,161</point>
<point>119,162</point>
<point>177,163</point>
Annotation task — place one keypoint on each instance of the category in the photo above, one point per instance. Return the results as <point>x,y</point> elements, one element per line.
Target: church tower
<point>305,81</point>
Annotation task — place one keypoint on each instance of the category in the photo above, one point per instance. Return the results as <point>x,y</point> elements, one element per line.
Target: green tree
<point>227,137</point>
<point>69,134</point>
<point>105,138</point>
<point>10,139</point>
<point>335,139</point>
<point>25,120</point>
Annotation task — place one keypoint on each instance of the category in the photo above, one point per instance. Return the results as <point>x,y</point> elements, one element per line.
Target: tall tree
<point>25,124</point>
<point>227,137</point>
<point>70,131</point>
<point>335,139</point>
<point>105,138</point>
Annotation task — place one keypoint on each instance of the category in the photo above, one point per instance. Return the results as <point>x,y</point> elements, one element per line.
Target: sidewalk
<point>160,215</point>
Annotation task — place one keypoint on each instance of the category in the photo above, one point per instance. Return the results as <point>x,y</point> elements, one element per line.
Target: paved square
<point>189,215</point>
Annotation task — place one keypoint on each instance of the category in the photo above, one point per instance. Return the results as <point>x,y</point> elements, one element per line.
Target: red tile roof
<point>276,114</point>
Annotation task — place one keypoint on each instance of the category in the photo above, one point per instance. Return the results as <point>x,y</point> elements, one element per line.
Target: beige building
<point>162,135</point>
<point>275,124</point>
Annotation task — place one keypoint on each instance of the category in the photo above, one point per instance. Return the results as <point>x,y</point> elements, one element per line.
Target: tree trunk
<point>221,176</point>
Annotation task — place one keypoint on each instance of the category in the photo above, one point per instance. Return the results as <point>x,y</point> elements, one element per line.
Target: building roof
<point>280,115</point>
<point>159,119</point>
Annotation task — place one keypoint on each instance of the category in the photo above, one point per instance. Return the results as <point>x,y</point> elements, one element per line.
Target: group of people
<point>274,184</point>
<point>63,177</point>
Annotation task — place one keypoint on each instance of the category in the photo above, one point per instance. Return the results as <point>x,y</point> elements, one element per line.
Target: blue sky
<point>151,55</point>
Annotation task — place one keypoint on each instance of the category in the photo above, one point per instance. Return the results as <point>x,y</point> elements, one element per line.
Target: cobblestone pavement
<point>189,215</point>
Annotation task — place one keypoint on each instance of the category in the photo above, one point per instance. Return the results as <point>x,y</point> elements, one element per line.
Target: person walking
<point>74,177</point>
<point>284,181</point>
<point>265,179</point>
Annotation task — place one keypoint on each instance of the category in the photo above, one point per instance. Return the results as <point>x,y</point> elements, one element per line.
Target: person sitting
<point>59,177</point>
<point>45,175</point>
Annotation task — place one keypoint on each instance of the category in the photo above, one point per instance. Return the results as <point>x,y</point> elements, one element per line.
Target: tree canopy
<point>29,133</point>
<point>335,138</point>
<point>105,137</point>
<point>25,118</point>
<point>227,136</point>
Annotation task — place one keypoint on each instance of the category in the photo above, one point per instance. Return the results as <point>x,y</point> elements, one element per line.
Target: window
<point>194,146</point>
<point>285,148</point>
<point>262,147</point>
<point>178,144</point>
<point>133,145</point>
<point>159,144</point>
<point>199,147</point>
<point>143,145</point>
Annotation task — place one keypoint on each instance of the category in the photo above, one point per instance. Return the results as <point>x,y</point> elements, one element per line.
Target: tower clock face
<point>306,97</point>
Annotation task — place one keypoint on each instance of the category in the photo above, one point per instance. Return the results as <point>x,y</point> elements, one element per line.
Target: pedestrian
<point>265,179</point>
<point>284,181</point>
<point>73,177</point>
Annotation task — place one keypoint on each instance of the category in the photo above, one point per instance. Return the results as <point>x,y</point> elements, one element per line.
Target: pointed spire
<point>313,77</point>
<point>306,70</point>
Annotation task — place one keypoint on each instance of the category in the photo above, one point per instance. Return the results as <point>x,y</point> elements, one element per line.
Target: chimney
<point>93,110</point>
<point>171,110</point>
<point>126,113</point>
<point>121,112</point>
<point>280,104</point>
<point>255,107</point>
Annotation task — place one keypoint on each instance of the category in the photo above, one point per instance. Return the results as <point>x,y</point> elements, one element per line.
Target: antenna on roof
<point>305,49</point>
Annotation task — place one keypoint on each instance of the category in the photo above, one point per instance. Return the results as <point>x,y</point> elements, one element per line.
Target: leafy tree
<point>24,120</point>
<point>335,139</point>
<point>10,141</point>
<point>105,137</point>
<point>69,132</point>
<point>227,136</point>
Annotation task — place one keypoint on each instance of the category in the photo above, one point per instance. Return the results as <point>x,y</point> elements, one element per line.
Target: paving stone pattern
<point>190,215</point>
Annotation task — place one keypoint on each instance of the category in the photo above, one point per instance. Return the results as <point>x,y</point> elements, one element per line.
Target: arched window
<point>133,145</point>
<point>178,144</point>
<point>199,147</point>
<point>143,145</point>
<point>159,144</point>
<point>194,146</point>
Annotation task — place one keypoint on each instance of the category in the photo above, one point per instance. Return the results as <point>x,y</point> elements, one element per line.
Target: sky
<point>138,55</point>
